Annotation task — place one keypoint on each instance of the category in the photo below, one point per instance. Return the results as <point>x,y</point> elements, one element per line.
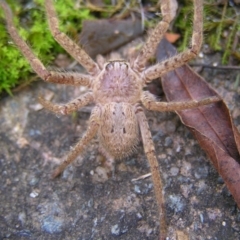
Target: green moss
<point>32,25</point>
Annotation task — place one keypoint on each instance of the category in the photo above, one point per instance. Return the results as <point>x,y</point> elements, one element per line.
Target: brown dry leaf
<point>172,37</point>
<point>211,124</point>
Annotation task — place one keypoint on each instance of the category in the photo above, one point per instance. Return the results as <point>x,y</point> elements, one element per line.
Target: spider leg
<point>71,47</point>
<point>72,106</point>
<point>180,59</point>
<point>90,133</point>
<point>69,78</point>
<point>151,156</point>
<point>150,104</point>
<point>155,37</point>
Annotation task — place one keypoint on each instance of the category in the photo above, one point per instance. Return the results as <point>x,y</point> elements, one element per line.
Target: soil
<point>85,202</point>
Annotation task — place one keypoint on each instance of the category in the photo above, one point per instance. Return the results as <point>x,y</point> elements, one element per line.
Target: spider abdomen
<point>118,131</point>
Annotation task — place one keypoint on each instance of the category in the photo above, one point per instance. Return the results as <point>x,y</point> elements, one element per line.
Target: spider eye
<point>119,64</point>
<point>124,65</point>
<point>109,66</point>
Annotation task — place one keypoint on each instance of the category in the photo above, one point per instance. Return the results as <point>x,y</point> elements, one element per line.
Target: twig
<point>215,67</point>
<point>142,177</point>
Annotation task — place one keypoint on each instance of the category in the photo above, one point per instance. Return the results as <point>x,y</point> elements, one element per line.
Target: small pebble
<point>176,203</point>
<point>22,217</point>
<point>168,142</point>
<point>139,215</point>
<point>115,230</point>
<point>137,189</point>
<point>33,181</point>
<point>201,218</point>
<point>174,171</point>
<point>52,224</point>
<point>33,194</point>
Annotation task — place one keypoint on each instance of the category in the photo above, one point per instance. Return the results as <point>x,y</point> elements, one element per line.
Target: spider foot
<point>51,107</point>
<point>56,173</point>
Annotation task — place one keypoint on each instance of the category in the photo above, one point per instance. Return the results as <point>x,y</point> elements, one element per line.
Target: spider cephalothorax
<point>117,82</point>
<point>117,91</point>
